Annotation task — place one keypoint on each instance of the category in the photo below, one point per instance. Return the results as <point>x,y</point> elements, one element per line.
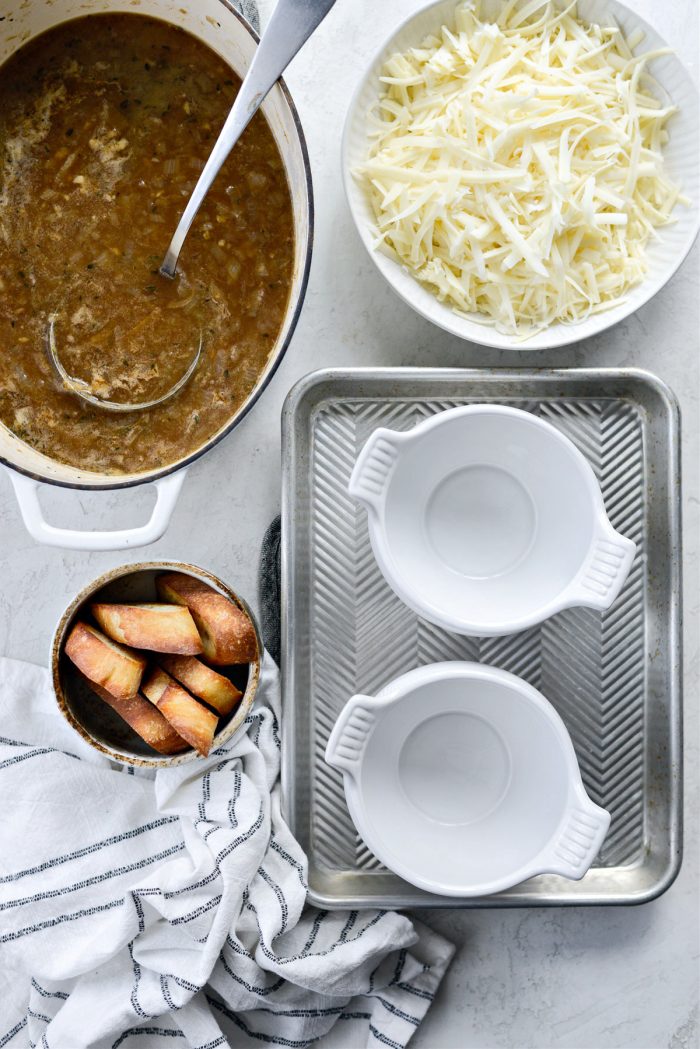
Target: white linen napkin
<point>142,910</point>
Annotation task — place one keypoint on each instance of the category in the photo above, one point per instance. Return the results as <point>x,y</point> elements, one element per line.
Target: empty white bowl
<point>462,779</point>
<point>486,520</point>
<point>665,252</point>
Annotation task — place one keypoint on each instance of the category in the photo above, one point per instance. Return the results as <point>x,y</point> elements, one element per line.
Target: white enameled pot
<point>486,520</point>
<point>462,779</point>
<point>217,24</point>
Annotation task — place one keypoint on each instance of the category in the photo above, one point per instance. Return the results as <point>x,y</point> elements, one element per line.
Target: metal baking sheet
<point>613,677</point>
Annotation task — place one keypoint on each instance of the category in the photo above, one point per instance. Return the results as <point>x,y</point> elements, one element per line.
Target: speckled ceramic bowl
<point>93,720</point>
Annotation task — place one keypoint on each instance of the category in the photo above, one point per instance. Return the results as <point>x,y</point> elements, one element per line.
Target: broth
<point>106,123</point>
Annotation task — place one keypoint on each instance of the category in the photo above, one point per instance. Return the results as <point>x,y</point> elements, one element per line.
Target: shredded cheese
<point>516,166</point>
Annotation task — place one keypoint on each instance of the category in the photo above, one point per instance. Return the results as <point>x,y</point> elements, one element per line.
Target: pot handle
<point>27,489</point>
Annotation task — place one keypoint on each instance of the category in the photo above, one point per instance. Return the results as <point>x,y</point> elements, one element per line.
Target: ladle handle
<point>291,25</point>
<point>27,492</point>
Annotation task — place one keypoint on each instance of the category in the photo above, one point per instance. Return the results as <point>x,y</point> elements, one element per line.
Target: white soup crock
<point>487,520</point>
<point>462,779</point>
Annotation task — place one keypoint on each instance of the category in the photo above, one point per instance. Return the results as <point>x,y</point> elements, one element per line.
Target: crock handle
<point>605,571</point>
<point>27,492</point>
<point>374,465</point>
<point>579,841</point>
<point>350,734</point>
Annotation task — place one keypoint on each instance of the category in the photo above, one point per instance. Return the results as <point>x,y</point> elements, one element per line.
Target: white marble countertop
<point>528,979</point>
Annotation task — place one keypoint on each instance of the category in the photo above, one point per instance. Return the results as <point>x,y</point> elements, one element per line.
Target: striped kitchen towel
<point>143,911</point>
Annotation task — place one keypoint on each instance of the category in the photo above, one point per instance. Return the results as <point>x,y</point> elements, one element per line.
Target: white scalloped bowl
<point>463,780</point>
<point>664,255</point>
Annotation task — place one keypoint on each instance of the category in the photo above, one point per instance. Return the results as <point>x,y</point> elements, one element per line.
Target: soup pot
<point>218,25</point>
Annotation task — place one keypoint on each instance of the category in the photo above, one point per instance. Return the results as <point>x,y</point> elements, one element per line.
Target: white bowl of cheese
<point>513,186</point>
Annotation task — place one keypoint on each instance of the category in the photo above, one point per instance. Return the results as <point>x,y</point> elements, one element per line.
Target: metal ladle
<point>82,389</point>
<point>291,25</point>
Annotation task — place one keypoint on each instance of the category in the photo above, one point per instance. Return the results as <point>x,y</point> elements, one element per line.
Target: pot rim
<point>132,480</point>
<point>58,645</point>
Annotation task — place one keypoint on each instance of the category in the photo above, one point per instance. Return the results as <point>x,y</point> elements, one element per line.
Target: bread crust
<point>203,682</point>
<point>145,719</point>
<point>158,628</point>
<point>189,718</point>
<point>104,662</point>
<point>227,634</point>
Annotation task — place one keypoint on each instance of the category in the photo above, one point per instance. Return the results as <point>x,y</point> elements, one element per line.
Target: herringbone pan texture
<point>589,665</point>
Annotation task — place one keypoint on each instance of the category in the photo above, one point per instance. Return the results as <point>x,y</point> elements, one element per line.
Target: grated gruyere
<point>516,166</point>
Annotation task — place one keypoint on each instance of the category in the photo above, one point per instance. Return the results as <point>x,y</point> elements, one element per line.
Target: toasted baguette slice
<point>146,721</point>
<point>102,661</point>
<point>227,633</point>
<point>159,628</point>
<point>189,718</point>
<point>203,682</point>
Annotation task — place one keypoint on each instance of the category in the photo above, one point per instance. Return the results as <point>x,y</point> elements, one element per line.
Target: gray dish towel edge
<point>269,589</point>
<point>249,10</point>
